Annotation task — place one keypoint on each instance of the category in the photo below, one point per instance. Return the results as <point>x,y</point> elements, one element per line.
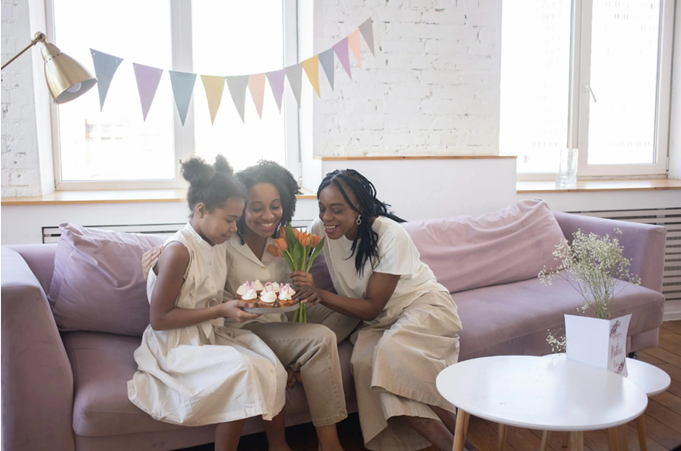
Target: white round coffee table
<point>651,380</point>
<point>539,393</point>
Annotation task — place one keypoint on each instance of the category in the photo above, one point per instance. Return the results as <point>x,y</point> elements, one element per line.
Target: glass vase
<point>566,177</point>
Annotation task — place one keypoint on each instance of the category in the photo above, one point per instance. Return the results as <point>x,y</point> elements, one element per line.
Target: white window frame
<point>580,93</point>
<point>181,36</point>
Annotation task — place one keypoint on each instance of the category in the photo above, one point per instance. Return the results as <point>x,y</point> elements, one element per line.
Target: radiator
<point>670,218</point>
<point>51,234</point>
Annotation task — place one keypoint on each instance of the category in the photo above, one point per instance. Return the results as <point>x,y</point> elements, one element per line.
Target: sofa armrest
<point>644,244</point>
<point>37,382</point>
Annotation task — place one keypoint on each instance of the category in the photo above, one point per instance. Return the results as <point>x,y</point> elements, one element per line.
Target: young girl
<point>192,370</point>
<point>410,323</point>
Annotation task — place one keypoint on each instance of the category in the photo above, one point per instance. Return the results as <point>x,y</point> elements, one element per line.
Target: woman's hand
<point>149,259</point>
<point>233,310</point>
<point>308,295</point>
<point>301,279</point>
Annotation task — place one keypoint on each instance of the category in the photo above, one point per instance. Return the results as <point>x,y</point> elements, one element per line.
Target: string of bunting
<point>148,78</point>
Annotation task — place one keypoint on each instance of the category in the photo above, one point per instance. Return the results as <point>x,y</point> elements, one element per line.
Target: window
<point>587,74</point>
<point>116,148</point>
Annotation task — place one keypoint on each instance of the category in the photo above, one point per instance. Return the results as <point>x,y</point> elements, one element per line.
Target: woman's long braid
<point>365,243</point>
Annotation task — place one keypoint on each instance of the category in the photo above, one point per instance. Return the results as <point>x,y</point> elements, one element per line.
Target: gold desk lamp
<point>66,78</point>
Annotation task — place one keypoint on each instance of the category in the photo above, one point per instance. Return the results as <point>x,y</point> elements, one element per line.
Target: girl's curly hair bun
<point>197,172</point>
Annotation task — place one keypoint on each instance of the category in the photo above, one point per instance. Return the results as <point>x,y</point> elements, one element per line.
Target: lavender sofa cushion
<point>97,283</point>
<point>509,245</point>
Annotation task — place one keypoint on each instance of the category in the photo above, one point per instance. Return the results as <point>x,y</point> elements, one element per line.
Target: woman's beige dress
<point>399,354</point>
<point>208,373</point>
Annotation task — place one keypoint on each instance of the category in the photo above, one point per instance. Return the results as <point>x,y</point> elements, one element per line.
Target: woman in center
<point>410,323</point>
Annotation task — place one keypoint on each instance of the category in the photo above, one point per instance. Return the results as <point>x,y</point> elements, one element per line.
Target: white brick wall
<point>20,161</point>
<point>431,89</point>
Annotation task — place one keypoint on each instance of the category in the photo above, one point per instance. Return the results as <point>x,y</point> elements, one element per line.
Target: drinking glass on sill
<point>566,177</point>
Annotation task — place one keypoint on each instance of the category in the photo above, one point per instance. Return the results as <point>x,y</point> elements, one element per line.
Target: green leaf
<point>315,253</point>
<point>297,256</point>
<point>290,236</point>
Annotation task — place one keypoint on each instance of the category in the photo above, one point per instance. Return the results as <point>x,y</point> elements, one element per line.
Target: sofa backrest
<point>508,245</point>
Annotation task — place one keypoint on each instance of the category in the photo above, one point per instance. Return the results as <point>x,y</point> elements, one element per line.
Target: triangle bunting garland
<point>294,74</point>
<point>105,68</point>
<point>341,50</point>
<point>367,31</point>
<point>353,42</point>
<point>327,61</point>
<point>237,89</point>
<point>183,87</point>
<point>256,84</point>
<point>148,78</point>
<point>276,80</point>
<point>147,81</point>
<point>311,67</point>
<point>214,87</point>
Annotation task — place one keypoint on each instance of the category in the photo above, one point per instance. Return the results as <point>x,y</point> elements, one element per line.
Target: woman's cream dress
<point>398,355</point>
<point>207,373</point>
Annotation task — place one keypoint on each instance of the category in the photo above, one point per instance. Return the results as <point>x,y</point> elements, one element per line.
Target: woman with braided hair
<point>410,325</point>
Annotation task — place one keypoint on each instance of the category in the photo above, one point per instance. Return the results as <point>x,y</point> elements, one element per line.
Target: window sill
<point>112,197</point>
<point>599,185</point>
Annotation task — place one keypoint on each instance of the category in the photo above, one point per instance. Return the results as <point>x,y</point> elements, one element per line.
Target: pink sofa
<point>66,390</point>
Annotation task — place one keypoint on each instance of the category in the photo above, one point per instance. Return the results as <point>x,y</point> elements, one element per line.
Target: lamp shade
<point>66,78</point>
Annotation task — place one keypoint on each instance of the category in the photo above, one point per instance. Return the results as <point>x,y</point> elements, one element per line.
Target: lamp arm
<point>39,37</point>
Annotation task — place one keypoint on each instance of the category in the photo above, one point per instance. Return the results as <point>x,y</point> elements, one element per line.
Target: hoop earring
<point>359,220</point>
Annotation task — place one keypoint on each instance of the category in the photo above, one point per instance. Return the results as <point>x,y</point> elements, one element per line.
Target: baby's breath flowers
<point>595,267</point>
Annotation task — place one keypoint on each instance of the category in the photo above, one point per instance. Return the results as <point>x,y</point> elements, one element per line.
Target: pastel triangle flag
<point>105,68</point>
<point>341,50</point>
<point>256,84</point>
<point>294,74</point>
<point>311,66</point>
<point>276,80</point>
<point>183,87</point>
<point>147,82</point>
<point>326,60</point>
<point>237,89</point>
<point>353,42</point>
<point>214,87</point>
<point>367,31</point>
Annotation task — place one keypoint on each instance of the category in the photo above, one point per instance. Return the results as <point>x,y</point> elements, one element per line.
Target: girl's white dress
<point>207,373</point>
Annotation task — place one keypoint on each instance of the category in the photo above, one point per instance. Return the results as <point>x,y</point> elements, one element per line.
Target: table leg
<point>624,437</point>
<point>641,427</point>
<point>501,437</point>
<point>613,440</point>
<point>577,439</point>
<point>461,429</point>
<point>546,436</point>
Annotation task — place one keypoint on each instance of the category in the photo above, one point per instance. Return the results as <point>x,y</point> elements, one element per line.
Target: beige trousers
<point>312,350</point>
<point>340,324</point>
<point>395,368</point>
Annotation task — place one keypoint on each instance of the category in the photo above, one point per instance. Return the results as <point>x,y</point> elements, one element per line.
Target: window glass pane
<point>238,38</point>
<point>117,144</point>
<point>535,57</point>
<point>624,51</point>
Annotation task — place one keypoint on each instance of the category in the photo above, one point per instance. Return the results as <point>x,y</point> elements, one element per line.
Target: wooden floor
<point>663,417</point>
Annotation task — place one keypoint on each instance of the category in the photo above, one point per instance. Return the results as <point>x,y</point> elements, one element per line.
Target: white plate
<point>265,311</point>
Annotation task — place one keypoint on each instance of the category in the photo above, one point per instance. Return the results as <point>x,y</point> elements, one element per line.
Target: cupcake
<point>249,296</point>
<point>286,296</point>
<point>243,289</point>
<point>275,287</point>
<point>258,287</point>
<point>268,297</point>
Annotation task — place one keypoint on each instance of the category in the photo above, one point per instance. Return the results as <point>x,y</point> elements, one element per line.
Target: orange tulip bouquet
<point>300,250</point>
